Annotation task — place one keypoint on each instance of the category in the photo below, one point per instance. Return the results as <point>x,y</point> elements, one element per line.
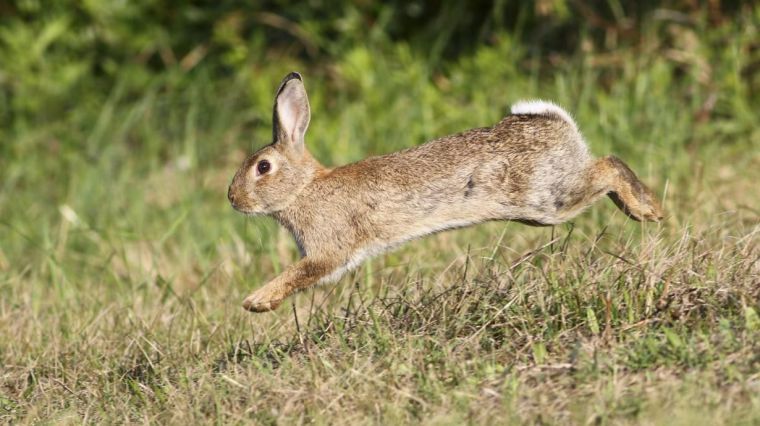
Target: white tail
<point>539,107</point>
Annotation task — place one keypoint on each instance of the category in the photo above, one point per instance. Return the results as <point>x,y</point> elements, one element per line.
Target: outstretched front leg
<point>301,275</point>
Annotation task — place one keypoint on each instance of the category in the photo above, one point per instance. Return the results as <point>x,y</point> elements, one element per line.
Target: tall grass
<point>122,266</point>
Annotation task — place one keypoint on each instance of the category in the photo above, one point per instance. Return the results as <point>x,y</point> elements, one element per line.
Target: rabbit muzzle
<point>239,198</point>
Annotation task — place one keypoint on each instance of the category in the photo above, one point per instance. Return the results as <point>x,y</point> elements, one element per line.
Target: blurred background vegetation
<point>62,60</point>
<point>122,123</point>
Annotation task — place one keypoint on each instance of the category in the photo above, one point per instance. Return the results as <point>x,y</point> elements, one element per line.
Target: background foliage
<point>122,266</point>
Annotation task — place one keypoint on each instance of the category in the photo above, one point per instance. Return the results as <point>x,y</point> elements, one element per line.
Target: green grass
<point>122,266</point>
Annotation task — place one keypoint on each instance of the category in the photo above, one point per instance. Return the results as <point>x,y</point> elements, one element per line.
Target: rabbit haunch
<point>533,167</point>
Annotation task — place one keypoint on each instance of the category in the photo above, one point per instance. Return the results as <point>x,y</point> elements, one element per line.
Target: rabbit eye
<point>263,167</point>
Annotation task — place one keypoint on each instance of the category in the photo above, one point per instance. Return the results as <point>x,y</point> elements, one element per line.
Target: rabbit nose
<point>230,195</point>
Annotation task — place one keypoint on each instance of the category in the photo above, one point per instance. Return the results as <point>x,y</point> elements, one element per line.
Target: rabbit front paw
<point>262,300</point>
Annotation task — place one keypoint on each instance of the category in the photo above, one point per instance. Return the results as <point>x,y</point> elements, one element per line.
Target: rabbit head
<point>271,178</point>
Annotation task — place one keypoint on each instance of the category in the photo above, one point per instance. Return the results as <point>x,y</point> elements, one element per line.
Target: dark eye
<point>263,167</point>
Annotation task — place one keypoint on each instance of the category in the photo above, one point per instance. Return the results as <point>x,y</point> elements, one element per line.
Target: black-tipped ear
<point>291,114</point>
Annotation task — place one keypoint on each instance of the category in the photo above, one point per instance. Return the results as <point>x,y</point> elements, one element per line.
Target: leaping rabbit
<point>532,167</point>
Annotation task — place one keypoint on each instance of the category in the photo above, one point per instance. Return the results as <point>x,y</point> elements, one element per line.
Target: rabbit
<point>532,167</point>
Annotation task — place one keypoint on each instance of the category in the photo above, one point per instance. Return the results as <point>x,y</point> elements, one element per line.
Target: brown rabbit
<point>532,167</point>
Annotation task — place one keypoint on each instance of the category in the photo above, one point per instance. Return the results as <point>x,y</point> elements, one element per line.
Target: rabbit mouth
<point>250,209</point>
<point>247,210</point>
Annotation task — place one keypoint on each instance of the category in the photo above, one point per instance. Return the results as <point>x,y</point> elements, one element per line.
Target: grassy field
<point>123,267</point>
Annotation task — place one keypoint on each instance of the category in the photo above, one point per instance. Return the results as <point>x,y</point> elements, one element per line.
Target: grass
<point>122,267</point>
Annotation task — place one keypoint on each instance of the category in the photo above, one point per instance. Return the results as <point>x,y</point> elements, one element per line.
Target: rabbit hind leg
<point>611,176</point>
<point>630,194</point>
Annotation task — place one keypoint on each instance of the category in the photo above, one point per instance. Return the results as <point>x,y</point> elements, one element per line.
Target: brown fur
<point>532,168</point>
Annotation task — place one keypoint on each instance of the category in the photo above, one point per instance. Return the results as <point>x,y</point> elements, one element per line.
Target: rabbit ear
<point>291,112</point>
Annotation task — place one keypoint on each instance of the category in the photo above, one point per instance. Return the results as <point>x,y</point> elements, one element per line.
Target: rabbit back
<point>526,168</point>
